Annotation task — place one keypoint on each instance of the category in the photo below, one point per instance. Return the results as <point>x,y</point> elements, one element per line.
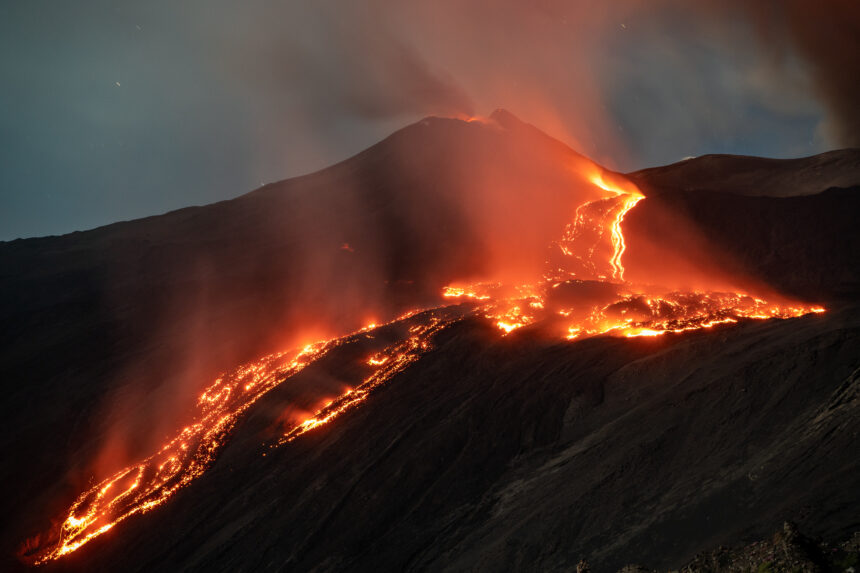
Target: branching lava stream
<point>591,250</point>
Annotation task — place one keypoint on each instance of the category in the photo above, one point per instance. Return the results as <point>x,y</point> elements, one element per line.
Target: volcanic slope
<point>109,334</point>
<point>452,463</point>
<point>788,223</point>
<point>522,453</point>
<point>754,176</point>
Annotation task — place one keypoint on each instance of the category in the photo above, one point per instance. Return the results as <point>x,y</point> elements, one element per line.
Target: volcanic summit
<point>468,347</point>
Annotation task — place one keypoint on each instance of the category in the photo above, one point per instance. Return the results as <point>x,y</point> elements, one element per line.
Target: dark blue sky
<point>114,110</point>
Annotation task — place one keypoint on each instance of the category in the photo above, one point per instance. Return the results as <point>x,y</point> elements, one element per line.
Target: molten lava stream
<point>139,488</point>
<point>584,290</point>
<point>618,246</point>
<point>628,312</point>
<point>151,482</point>
<point>389,362</point>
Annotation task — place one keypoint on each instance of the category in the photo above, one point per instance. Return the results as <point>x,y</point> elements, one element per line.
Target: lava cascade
<point>581,293</point>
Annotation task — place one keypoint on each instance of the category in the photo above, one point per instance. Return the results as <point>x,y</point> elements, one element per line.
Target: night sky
<point>113,110</point>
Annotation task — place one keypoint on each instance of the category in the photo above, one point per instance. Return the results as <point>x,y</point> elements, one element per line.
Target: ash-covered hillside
<point>522,452</point>
<point>753,176</point>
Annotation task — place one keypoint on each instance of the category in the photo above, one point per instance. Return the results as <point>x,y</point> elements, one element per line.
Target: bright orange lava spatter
<point>624,311</point>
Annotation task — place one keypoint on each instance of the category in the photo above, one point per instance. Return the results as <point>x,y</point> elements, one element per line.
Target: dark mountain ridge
<point>121,326</point>
<point>754,176</point>
<point>518,453</point>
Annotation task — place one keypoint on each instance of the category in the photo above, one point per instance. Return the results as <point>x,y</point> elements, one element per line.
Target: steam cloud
<point>570,67</point>
<point>380,62</point>
<point>827,36</point>
<point>255,92</point>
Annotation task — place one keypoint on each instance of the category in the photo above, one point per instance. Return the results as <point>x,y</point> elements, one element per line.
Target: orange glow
<point>396,358</point>
<point>473,118</point>
<point>140,488</point>
<point>463,292</point>
<point>618,245</point>
<point>583,293</point>
<point>508,327</point>
<point>629,313</point>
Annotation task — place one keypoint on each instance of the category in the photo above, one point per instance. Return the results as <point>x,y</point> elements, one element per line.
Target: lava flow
<point>139,488</point>
<point>143,486</point>
<point>389,362</point>
<point>582,293</point>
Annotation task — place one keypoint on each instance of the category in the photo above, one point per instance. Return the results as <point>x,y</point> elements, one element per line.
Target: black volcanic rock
<point>494,454</point>
<point>519,454</point>
<point>787,223</point>
<point>159,306</point>
<point>805,246</point>
<point>786,550</point>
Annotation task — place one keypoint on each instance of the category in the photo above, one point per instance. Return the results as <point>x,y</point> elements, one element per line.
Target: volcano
<point>466,348</point>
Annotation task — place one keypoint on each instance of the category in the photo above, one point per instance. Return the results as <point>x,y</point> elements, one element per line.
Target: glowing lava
<point>139,488</point>
<point>629,196</point>
<point>626,310</point>
<point>390,362</point>
<point>148,484</point>
<point>618,246</point>
<point>588,262</point>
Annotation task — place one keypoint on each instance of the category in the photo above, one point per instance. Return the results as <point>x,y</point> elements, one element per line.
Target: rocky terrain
<point>753,176</point>
<point>787,550</point>
<point>490,453</point>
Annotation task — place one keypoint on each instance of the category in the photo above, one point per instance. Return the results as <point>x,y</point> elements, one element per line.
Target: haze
<point>112,111</point>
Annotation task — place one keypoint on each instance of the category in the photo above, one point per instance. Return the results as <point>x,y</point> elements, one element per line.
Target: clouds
<point>216,97</point>
<point>627,82</point>
<point>826,35</point>
<point>805,47</point>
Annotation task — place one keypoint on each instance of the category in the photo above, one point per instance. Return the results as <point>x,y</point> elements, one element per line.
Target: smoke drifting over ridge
<point>828,35</point>
<point>195,103</point>
<point>342,72</point>
<point>574,69</point>
<point>385,230</point>
<point>825,37</point>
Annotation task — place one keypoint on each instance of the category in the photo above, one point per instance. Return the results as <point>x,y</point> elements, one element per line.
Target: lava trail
<point>564,298</point>
<point>581,293</point>
<point>141,487</point>
<point>389,362</point>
